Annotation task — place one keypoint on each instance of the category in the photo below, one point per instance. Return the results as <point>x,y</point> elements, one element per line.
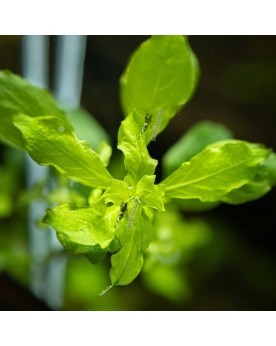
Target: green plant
<point>117,216</point>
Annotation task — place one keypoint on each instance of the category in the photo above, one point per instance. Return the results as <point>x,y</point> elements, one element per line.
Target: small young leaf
<point>151,195</point>
<point>136,157</point>
<point>192,142</point>
<point>52,141</point>
<point>216,171</point>
<point>81,230</point>
<point>118,191</point>
<point>161,75</point>
<point>128,261</point>
<point>19,96</point>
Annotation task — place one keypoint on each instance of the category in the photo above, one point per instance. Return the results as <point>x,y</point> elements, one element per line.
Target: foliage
<point>120,216</point>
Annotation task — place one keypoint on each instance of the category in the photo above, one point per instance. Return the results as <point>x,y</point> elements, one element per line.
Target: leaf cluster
<point>205,167</point>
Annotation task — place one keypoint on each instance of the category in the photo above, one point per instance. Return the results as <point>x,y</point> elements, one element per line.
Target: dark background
<point>236,88</point>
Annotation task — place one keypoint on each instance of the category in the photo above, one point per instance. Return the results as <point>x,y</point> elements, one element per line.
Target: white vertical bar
<point>35,69</point>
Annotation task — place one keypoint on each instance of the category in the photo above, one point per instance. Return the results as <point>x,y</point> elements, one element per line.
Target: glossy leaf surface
<point>161,75</point>
<point>82,230</point>
<point>216,171</point>
<point>52,141</point>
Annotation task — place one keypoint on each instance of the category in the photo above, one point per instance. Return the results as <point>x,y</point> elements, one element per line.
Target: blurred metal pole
<point>68,85</point>
<point>35,69</point>
<point>47,277</point>
<point>69,70</point>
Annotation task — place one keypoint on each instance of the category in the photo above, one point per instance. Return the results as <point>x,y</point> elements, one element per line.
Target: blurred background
<point>219,259</point>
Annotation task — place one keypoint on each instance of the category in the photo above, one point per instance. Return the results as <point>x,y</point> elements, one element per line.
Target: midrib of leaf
<point>159,79</point>
<point>156,86</point>
<point>128,258</point>
<point>175,186</point>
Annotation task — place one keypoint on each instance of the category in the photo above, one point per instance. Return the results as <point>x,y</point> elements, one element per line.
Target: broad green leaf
<point>136,157</point>
<point>87,127</point>
<point>162,75</point>
<point>128,261</point>
<point>19,96</point>
<point>52,141</point>
<point>192,142</point>
<point>216,171</point>
<point>81,230</point>
<point>263,181</point>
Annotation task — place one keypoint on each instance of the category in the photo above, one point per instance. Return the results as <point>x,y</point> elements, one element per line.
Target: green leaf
<point>87,128</point>
<point>6,205</point>
<point>162,75</point>
<point>263,181</point>
<point>105,151</point>
<point>175,243</point>
<point>192,142</point>
<point>176,238</point>
<point>136,157</point>
<point>216,171</point>
<point>52,141</point>
<point>168,282</point>
<point>145,191</point>
<point>118,191</point>
<point>150,195</point>
<point>268,169</point>
<point>19,96</point>
<point>10,179</point>
<point>128,261</point>
<point>81,230</point>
